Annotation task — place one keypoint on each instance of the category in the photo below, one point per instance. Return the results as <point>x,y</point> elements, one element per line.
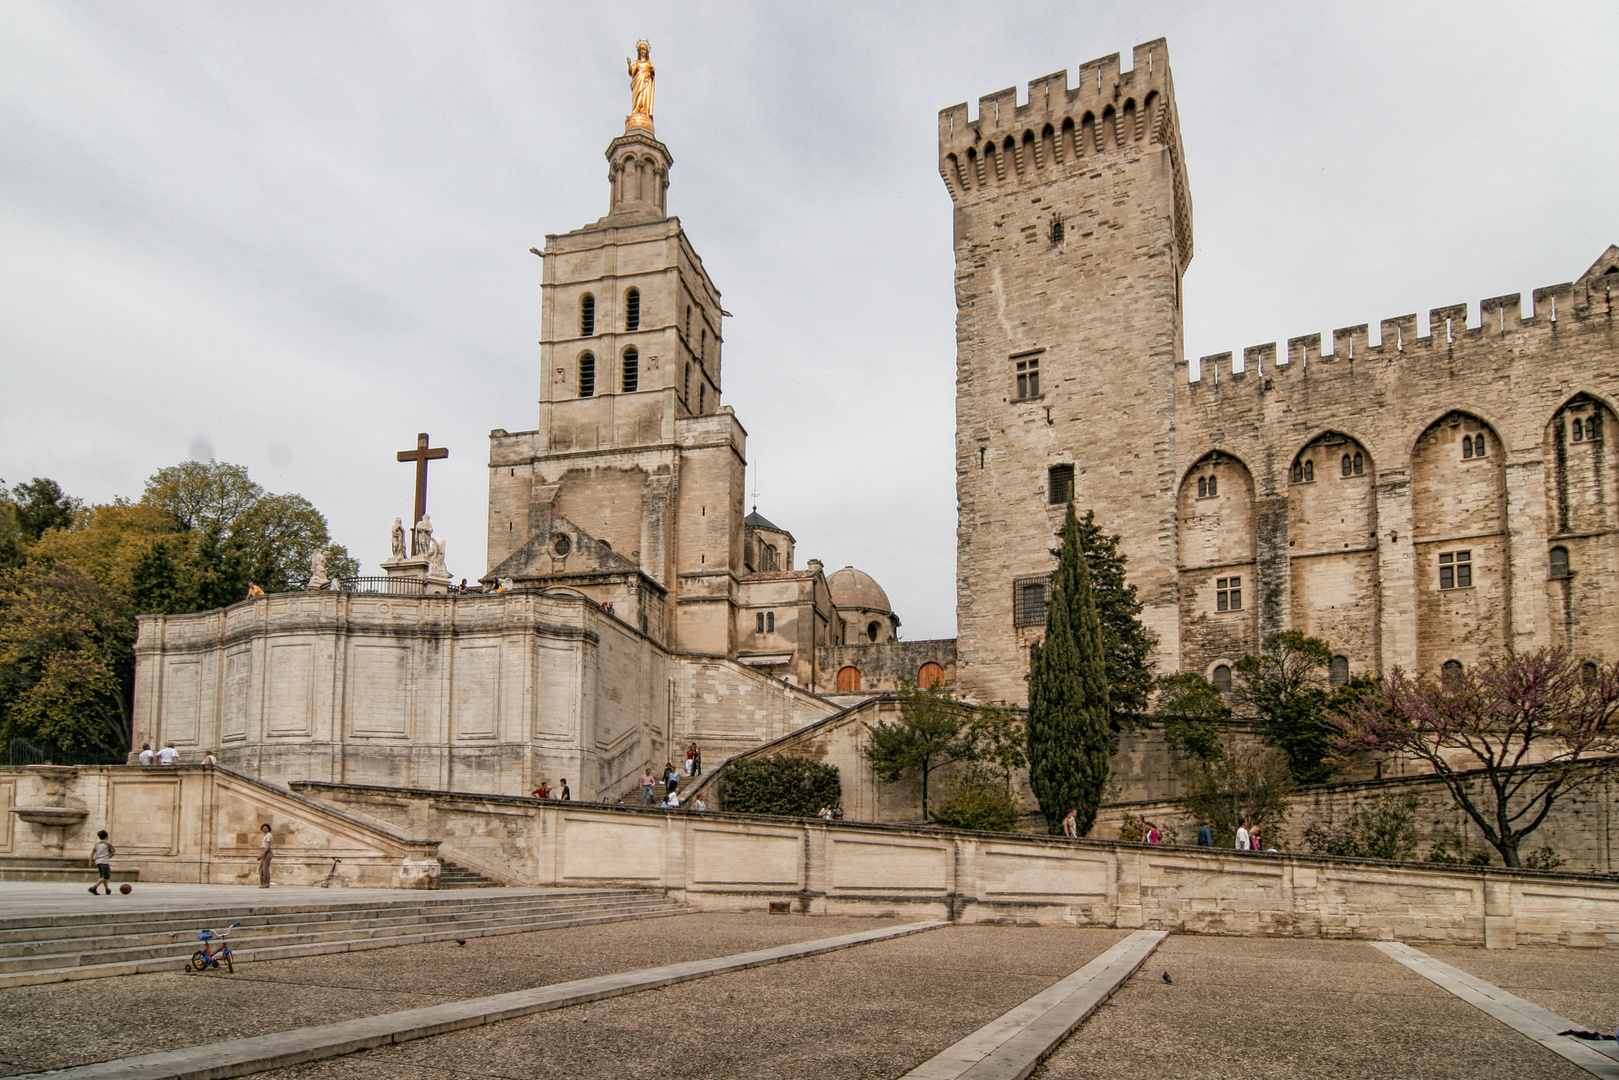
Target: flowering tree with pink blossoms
<point>1508,736</point>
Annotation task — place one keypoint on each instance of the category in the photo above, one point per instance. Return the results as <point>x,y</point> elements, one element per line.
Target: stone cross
<point>421,456</point>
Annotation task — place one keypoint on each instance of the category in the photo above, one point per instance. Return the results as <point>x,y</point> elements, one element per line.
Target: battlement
<point>1400,335</point>
<point>1105,111</point>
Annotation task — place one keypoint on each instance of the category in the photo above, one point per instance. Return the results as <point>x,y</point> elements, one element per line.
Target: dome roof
<point>853,588</point>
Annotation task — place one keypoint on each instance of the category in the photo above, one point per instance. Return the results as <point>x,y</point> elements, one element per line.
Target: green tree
<point>41,504</point>
<point>978,798</point>
<point>1285,686</point>
<point>158,583</point>
<point>1126,642</point>
<point>781,785</point>
<point>1069,728</point>
<point>11,537</point>
<point>203,495</point>
<point>1240,782</point>
<point>66,663</point>
<point>932,731</point>
<point>1193,712</point>
<point>1380,829</point>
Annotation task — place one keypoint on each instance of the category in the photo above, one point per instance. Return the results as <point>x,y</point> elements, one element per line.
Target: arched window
<point>1298,472</point>
<point>1588,673</point>
<point>848,680</point>
<point>687,395</point>
<point>1214,486</point>
<point>1590,429</point>
<point>632,370</point>
<point>702,398</point>
<point>688,322</point>
<point>1560,562</point>
<point>1348,466</point>
<point>1202,488</point>
<point>1467,446</point>
<point>1338,670</point>
<point>632,310</point>
<point>1360,463</point>
<point>1450,671</point>
<point>1222,678</point>
<point>1578,430</point>
<point>587,315</point>
<point>930,675</point>
<point>872,629</point>
<point>702,352</point>
<point>1309,471</point>
<point>1478,445</point>
<point>587,375</point>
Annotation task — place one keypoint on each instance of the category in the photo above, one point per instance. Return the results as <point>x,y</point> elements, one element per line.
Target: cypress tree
<point>1068,723</point>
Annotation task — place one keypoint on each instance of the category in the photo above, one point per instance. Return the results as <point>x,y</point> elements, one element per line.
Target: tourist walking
<point>266,853</point>
<point>696,760</point>
<point>646,786</point>
<point>101,858</point>
<point>691,757</point>
<point>1254,843</point>
<point>1151,836</point>
<point>1205,834</point>
<point>1242,835</point>
<point>1070,824</point>
<point>168,755</point>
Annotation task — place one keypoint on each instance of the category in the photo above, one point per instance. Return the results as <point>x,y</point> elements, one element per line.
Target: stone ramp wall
<point>200,824</point>
<point>735,862</point>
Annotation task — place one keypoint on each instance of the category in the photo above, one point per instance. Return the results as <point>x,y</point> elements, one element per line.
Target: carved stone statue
<point>435,560</point>
<point>398,539</point>
<point>641,88</point>
<point>317,570</point>
<point>422,542</point>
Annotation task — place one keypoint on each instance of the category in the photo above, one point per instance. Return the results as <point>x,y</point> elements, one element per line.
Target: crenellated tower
<point>1073,227</point>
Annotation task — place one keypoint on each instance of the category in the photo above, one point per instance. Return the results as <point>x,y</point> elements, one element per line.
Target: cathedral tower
<point>1073,226</point>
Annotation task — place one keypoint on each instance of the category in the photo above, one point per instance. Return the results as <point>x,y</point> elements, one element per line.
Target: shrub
<point>1381,829</point>
<point>976,800</point>
<point>1544,858</point>
<point>1441,853</point>
<point>781,785</point>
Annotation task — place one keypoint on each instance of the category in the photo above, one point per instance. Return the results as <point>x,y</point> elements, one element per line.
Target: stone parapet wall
<point>734,862</point>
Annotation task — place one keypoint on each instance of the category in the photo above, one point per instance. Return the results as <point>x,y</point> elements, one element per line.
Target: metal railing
<point>386,586</point>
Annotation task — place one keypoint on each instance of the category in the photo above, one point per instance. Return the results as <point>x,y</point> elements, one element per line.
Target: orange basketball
<point>126,888</point>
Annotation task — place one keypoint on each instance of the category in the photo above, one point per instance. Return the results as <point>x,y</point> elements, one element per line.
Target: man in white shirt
<point>147,757</point>
<point>168,755</point>
<point>1242,835</point>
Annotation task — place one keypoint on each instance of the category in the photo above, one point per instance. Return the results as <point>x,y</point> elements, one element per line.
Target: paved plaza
<point>1237,1007</point>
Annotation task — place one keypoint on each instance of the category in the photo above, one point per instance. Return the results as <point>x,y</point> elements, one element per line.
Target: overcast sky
<point>293,235</point>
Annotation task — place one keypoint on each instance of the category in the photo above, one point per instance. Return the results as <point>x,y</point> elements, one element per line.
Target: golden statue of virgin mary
<point>641,88</point>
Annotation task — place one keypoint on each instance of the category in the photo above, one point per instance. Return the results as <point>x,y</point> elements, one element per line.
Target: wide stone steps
<point>455,876</point>
<point>89,946</point>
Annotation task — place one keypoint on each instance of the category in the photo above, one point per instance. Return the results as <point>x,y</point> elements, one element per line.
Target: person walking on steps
<point>101,859</point>
<point>266,853</point>
<point>647,783</point>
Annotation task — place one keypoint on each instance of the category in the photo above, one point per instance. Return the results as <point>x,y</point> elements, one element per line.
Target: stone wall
<point>733,862</point>
<point>888,665</point>
<point>190,823</point>
<point>1583,828</point>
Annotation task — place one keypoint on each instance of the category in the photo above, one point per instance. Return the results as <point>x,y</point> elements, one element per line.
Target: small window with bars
<point>632,310</point>
<point>587,375</point>
<point>1060,485</point>
<point>1029,598</point>
<point>1056,230</point>
<point>1028,377</point>
<point>1456,570</point>
<point>1228,594</point>
<point>632,370</point>
<point>587,315</point>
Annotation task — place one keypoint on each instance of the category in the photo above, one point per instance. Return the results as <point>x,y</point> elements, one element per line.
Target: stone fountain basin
<point>51,815</point>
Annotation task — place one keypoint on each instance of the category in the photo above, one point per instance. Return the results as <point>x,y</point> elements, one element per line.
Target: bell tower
<point>1073,226</point>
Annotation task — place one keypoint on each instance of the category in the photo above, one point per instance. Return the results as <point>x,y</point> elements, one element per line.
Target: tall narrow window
<point>1360,463</point>
<point>1338,670</point>
<point>770,622</point>
<point>1028,378</point>
<point>759,622</point>
<point>1590,429</point>
<point>587,375</point>
<point>1221,678</point>
<point>1478,445</point>
<point>1060,485</point>
<point>1559,562</point>
<point>632,310</point>
<point>632,370</point>
<point>702,399</point>
<point>702,352</point>
<point>686,396</point>
<point>1467,447</point>
<point>587,315</point>
<point>1214,486</point>
<point>1228,594</point>
<point>1456,570</point>
<point>1578,430</point>
<point>1348,466</point>
<point>1202,487</point>
<point>688,322</point>
<point>1309,471</point>
<point>1588,673</point>
<point>1056,230</point>
<point>1298,472</point>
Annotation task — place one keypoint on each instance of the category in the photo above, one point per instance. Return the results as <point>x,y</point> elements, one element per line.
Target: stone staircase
<point>22,869</point>
<point>453,875</point>
<point>58,948</point>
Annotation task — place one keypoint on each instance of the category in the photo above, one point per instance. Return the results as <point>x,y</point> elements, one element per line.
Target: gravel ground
<point>875,1011</point>
<point>1258,1008</point>
<point>60,1024</point>
<point>1580,984</point>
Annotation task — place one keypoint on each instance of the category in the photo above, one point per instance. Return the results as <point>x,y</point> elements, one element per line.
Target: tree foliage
<point>203,495</point>
<point>1069,728</point>
<point>1380,829</point>
<point>1509,736</point>
<point>1240,782</point>
<point>780,785</point>
<point>977,798</point>
<point>1285,686</point>
<point>41,505</point>
<point>935,730</point>
<point>1193,713</point>
<point>1126,642</point>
